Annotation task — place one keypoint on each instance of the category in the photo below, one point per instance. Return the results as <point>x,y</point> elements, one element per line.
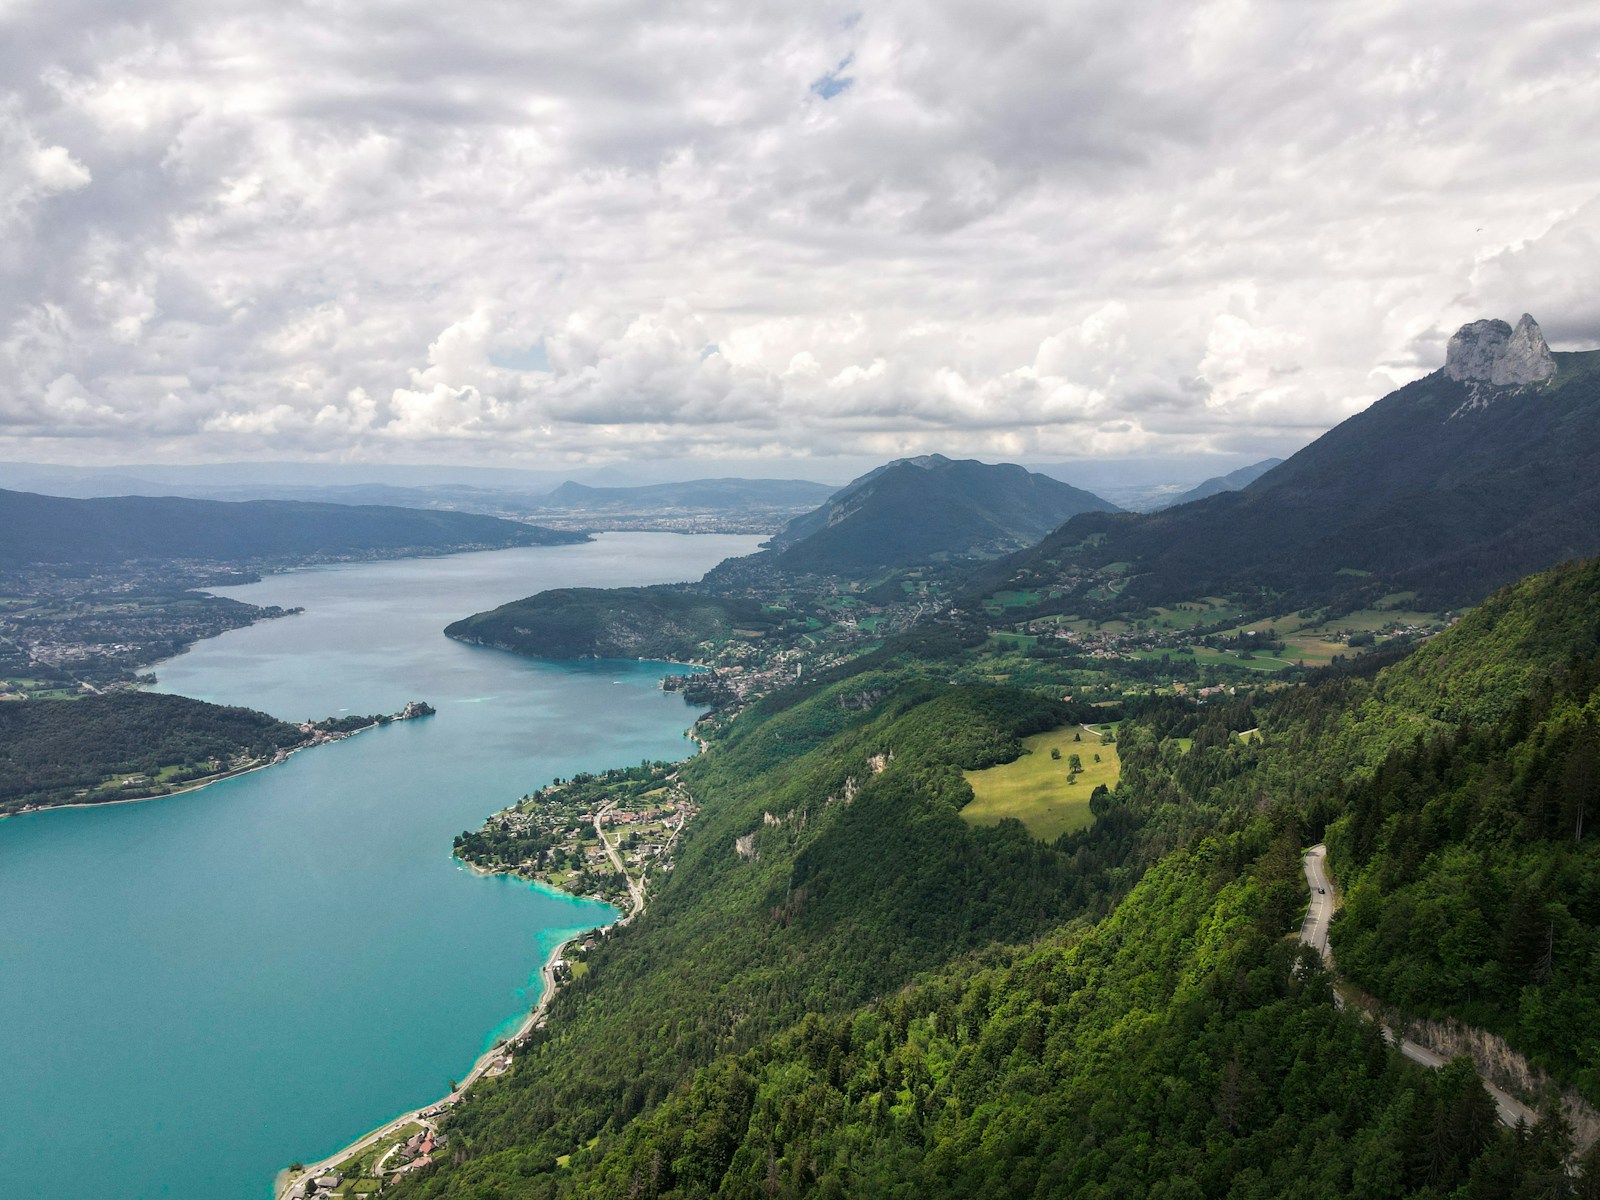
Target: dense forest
<point>53,750</point>
<point>1473,870</point>
<point>661,623</point>
<point>844,990</point>
<point>1181,1048</point>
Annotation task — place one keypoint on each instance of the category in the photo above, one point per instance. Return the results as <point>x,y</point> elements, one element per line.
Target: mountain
<point>733,495</point>
<point>922,510</point>
<point>928,509</point>
<point>1458,483</point>
<point>1231,482</point>
<point>52,529</point>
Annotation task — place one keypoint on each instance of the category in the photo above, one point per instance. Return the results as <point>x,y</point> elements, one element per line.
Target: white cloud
<point>1021,230</point>
<point>57,171</point>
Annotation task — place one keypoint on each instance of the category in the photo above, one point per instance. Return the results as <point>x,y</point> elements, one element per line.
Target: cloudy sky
<point>589,230</point>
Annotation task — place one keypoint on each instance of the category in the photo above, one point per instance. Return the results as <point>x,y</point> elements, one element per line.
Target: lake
<point>197,990</point>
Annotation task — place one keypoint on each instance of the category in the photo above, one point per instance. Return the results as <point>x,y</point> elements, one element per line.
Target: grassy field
<point>1260,662</point>
<point>1035,788</point>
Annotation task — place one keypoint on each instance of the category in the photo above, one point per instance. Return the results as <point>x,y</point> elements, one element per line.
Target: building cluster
<point>392,1163</point>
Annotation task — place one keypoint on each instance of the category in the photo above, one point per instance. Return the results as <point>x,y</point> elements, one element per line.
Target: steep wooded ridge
<point>655,623</point>
<point>1473,880</point>
<point>1451,487</point>
<point>928,509</point>
<point>38,529</point>
<point>844,990</point>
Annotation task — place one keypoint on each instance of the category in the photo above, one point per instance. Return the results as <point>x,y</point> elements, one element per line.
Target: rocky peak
<point>1494,353</point>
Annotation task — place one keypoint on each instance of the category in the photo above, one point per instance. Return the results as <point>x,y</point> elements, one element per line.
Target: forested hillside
<point>51,529</point>
<point>1472,859</point>
<point>1179,1047</point>
<point>53,750</point>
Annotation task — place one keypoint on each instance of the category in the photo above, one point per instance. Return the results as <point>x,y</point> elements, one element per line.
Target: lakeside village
<point>408,1148</point>
<point>595,836</point>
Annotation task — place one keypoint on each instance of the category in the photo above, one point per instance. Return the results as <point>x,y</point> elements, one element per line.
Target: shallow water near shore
<point>197,990</point>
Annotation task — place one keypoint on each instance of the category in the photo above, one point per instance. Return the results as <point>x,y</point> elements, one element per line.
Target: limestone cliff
<point>1492,352</point>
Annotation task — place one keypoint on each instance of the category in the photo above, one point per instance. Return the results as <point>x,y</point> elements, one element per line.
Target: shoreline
<point>538,885</point>
<point>208,781</point>
<point>285,1181</point>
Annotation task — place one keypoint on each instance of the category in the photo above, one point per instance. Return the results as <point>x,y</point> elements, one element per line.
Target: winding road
<point>1314,933</point>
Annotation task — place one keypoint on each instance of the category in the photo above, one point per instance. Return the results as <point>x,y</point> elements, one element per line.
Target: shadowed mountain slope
<point>1451,486</point>
<point>52,529</point>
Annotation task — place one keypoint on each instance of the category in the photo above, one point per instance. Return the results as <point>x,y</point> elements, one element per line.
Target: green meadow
<point>1038,790</point>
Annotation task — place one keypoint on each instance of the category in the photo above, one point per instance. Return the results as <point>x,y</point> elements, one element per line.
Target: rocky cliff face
<point>1492,352</point>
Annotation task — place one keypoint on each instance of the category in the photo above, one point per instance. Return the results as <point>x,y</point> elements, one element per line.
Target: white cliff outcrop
<point>1492,352</point>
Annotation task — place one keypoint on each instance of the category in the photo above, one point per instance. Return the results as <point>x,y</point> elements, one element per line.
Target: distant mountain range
<point>1231,482</point>
<point>1465,480</point>
<point>763,503</point>
<point>53,529</point>
<point>928,509</point>
<point>1141,484</point>
<point>704,495</point>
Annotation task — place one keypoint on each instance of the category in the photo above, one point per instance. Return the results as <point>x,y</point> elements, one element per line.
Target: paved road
<point>1314,933</point>
<point>635,887</point>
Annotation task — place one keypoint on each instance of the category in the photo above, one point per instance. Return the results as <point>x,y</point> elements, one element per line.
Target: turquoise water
<point>197,990</point>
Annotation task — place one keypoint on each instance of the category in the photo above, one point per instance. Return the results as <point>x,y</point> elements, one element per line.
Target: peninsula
<point>125,746</point>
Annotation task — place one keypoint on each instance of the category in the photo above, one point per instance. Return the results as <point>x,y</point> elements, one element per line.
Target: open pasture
<point>1035,787</point>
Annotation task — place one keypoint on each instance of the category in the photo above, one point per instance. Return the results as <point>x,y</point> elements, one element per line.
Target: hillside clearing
<point>1035,789</point>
